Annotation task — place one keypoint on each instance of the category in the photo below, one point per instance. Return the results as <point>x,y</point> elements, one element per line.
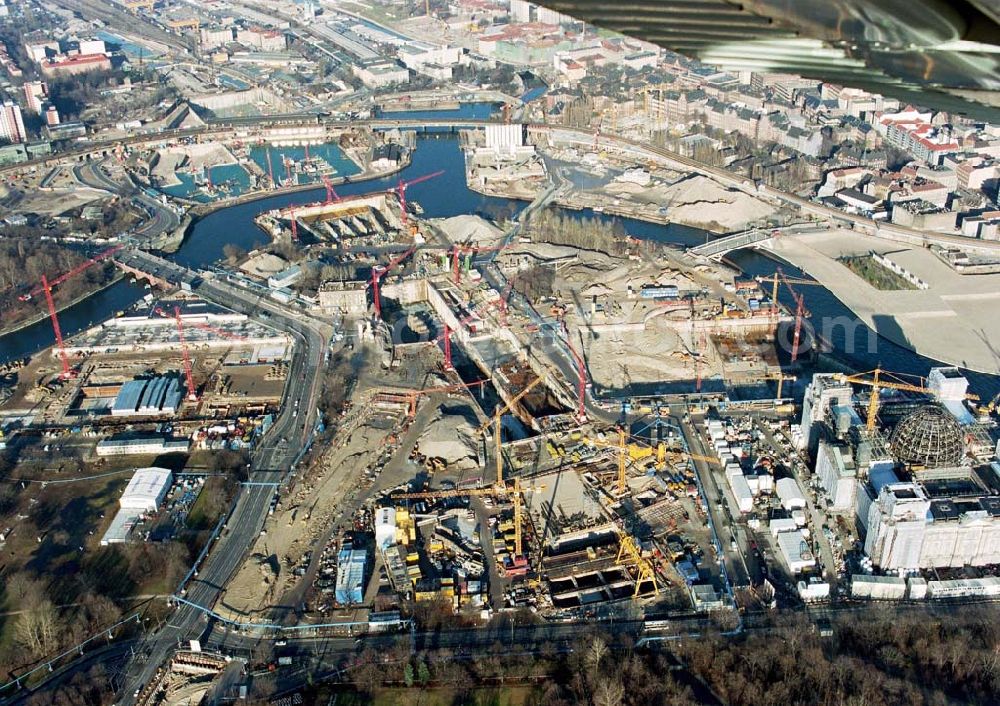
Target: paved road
<point>289,434</point>
<point>163,219</point>
<point>734,563</point>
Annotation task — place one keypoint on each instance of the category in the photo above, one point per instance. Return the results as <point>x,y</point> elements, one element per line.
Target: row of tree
<point>555,226</point>
<point>23,261</point>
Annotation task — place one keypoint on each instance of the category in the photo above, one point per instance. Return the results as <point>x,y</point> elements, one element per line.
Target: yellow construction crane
<point>775,279</point>
<point>638,451</point>
<point>496,426</point>
<point>780,377</point>
<point>624,449</point>
<point>877,383</point>
<point>986,410</point>
<point>498,491</point>
<point>630,555</point>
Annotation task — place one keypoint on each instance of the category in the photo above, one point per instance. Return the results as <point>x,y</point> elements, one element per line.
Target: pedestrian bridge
<point>719,247</point>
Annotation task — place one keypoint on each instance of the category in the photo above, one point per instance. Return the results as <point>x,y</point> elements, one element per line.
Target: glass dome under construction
<point>929,437</point>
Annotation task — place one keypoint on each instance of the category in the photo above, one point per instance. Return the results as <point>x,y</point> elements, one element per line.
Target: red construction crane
<point>288,169</point>
<point>697,361</point>
<point>295,224</point>
<point>800,314</point>
<point>447,349</point>
<point>331,195</point>
<point>72,273</point>
<point>192,394</point>
<point>458,251</point>
<point>307,152</point>
<point>402,186</point>
<point>66,372</point>
<point>205,327</point>
<point>270,169</point>
<point>502,303</point>
<point>381,270</point>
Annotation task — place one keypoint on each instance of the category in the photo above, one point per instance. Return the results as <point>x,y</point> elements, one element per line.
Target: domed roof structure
<point>929,437</point>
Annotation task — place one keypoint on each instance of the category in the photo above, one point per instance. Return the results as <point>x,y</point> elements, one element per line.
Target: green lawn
<point>878,276</point>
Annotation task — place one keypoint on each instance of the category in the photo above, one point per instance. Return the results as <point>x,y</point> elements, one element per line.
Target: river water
<point>444,196</point>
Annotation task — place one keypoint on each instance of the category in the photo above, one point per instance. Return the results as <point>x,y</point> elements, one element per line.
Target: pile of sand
<point>700,201</point>
<point>264,265</point>
<point>469,229</point>
<point>450,437</point>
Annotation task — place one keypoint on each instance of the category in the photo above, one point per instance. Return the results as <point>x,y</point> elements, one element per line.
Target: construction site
<point>518,420</point>
<point>498,454</point>
<point>209,373</point>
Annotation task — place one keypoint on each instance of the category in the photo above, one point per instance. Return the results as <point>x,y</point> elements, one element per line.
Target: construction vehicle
<point>878,382</point>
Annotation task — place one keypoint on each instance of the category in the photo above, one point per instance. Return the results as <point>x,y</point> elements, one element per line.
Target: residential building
<point>974,173</point>
<point>35,94</point>
<point>11,122</point>
<point>923,215</point>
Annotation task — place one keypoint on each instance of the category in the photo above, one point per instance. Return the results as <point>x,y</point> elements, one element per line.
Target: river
<point>444,196</point>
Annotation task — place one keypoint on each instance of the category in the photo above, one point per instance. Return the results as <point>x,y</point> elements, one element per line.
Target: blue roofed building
<point>351,564</point>
<point>155,396</point>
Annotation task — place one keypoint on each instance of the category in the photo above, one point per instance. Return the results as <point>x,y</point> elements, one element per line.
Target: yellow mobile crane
<point>986,410</point>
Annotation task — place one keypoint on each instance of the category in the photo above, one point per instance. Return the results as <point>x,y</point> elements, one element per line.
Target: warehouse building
<point>152,397</point>
<point>794,549</point>
<point>385,527</point>
<point>143,494</point>
<point>146,490</point>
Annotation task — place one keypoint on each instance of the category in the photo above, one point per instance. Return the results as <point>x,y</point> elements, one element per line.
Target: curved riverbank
<point>44,315</point>
<point>950,321</point>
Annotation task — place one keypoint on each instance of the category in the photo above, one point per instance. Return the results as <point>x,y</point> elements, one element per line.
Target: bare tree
<point>38,627</point>
<point>609,692</point>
